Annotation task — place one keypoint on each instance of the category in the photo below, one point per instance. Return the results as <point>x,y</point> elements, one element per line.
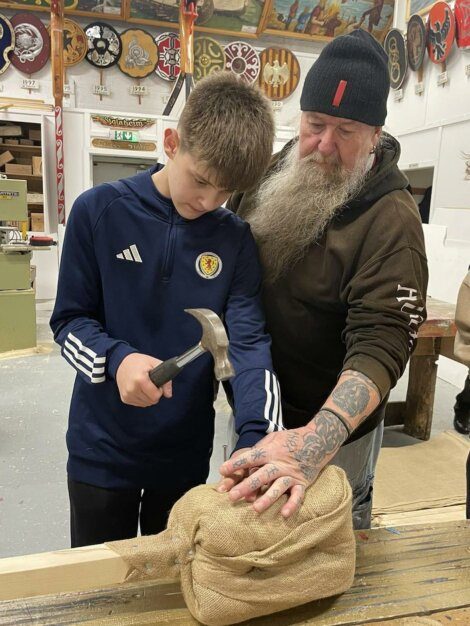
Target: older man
<point>345,282</point>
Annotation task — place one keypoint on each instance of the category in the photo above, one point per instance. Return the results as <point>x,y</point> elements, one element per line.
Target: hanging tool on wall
<point>57,66</point>
<point>187,17</point>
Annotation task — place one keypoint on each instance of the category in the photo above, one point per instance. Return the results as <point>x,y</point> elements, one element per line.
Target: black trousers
<point>98,515</point>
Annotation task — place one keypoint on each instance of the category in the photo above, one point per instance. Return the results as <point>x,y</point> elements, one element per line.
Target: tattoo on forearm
<point>322,441</point>
<point>352,395</point>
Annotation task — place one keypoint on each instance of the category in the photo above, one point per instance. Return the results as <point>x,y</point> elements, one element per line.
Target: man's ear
<point>171,142</point>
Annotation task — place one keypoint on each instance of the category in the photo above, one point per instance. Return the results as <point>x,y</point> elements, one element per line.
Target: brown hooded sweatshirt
<point>356,299</point>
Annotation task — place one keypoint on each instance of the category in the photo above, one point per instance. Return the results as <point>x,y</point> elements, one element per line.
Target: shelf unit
<point>23,154</point>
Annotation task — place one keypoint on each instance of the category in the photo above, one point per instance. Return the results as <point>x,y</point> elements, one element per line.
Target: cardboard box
<point>12,142</point>
<point>6,157</point>
<point>37,165</point>
<point>37,222</point>
<point>10,131</point>
<point>26,142</point>
<point>18,168</point>
<point>34,134</point>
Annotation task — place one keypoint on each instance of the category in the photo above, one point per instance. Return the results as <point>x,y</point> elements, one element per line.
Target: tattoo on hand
<point>255,483</point>
<point>274,495</point>
<point>271,470</point>
<point>292,442</point>
<point>319,443</point>
<point>257,453</point>
<point>240,463</point>
<point>352,396</point>
<point>287,481</point>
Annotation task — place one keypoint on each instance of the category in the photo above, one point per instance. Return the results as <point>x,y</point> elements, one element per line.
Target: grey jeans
<point>358,459</point>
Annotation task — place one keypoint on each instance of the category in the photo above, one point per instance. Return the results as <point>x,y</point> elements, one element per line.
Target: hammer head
<point>214,339</point>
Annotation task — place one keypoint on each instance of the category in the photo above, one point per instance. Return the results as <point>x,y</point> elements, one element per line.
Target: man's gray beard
<point>295,205</point>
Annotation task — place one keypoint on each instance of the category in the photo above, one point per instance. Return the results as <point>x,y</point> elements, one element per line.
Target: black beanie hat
<point>349,79</point>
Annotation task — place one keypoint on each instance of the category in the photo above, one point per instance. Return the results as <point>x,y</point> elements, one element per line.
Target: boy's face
<point>191,186</point>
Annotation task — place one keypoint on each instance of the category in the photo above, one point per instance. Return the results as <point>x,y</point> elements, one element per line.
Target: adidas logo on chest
<point>130,254</point>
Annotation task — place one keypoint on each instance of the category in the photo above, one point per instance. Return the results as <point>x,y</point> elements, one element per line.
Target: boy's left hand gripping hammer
<point>214,340</point>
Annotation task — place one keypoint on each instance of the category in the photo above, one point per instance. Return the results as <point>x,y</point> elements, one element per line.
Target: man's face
<point>335,140</point>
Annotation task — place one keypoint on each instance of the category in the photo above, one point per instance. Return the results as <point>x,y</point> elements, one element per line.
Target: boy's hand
<point>134,384</point>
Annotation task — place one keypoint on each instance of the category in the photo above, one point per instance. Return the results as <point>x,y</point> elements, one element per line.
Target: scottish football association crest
<point>208,265</point>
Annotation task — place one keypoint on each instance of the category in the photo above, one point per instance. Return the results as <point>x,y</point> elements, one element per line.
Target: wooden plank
<point>424,516</point>
<point>412,570</point>
<point>60,571</point>
<point>440,320</point>
<point>420,396</point>
<point>457,617</point>
<point>10,130</point>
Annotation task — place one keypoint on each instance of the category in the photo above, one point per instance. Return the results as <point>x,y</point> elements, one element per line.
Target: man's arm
<point>291,460</point>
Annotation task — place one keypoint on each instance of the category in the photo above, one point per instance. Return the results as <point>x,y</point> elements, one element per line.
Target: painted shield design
<point>209,57</point>
<point>139,53</point>
<point>7,42</point>
<point>104,45</point>
<point>280,73</point>
<point>416,42</point>
<point>169,57</point>
<point>394,46</point>
<point>462,23</point>
<point>32,43</point>
<point>440,32</point>
<point>243,60</point>
<point>75,44</point>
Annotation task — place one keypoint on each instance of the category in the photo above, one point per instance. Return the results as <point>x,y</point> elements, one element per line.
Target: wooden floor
<point>405,576</point>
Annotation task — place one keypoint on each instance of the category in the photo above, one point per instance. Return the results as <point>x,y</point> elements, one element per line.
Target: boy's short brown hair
<point>228,126</point>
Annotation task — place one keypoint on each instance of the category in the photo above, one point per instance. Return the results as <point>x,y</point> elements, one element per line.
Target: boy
<point>136,254</point>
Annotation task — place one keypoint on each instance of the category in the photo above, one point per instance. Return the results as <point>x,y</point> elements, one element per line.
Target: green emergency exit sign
<point>124,135</point>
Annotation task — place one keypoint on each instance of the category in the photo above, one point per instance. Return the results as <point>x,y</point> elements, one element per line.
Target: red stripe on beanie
<point>339,93</point>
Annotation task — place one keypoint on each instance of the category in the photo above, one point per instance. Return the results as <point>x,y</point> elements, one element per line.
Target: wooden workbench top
<point>401,572</point>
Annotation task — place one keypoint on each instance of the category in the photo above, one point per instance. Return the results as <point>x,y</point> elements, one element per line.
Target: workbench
<point>402,574</point>
<point>435,337</point>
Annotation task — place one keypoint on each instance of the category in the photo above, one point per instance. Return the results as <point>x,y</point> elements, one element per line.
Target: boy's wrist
<point>116,357</point>
<point>248,439</point>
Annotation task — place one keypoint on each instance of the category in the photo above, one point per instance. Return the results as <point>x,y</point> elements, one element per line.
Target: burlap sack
<point>235,564</point>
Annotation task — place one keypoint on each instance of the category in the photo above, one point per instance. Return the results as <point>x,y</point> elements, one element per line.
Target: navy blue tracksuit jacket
<point>130,266</point>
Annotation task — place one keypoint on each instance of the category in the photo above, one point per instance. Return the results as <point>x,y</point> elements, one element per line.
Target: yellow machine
<point>17,301</point>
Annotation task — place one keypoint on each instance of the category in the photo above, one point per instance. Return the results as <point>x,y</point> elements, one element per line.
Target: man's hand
<point>285,461</point>
<point>238,475</point>
<point>134,384</point>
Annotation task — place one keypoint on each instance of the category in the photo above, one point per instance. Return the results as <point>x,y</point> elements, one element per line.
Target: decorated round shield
<point>462,23</point>
<point>416,42</point>
<point>7,42</point>
<point>243,60</point>
<point>104,45</point>
<point>169,57</point>
<point>209,57</point>
<point>75,45</point>
<point>139,53</point>
<point>394,46</point>
<point>440,32</point>
<point>280,73</point>
<point>32,43</point>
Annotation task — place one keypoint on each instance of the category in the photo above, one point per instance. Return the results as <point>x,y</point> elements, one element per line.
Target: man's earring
<point>373,150</point>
